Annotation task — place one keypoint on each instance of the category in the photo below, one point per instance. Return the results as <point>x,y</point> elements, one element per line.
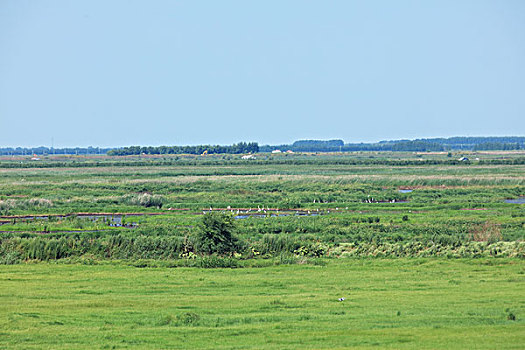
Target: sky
<point>118,73</point>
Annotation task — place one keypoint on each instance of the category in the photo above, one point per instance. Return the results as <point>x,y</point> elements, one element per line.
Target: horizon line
<point>261,144</point>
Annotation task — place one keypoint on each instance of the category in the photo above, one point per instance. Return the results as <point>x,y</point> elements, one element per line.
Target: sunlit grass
<point>403,303</point>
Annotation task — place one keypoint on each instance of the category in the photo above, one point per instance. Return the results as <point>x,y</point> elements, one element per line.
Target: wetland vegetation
<point>427,251</point>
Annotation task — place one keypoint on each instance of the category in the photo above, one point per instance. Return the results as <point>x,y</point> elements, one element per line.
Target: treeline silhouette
<point>241,147</point>
<point>21,151</point>
<point>418,145</point>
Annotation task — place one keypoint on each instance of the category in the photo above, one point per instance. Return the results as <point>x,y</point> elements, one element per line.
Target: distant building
<point>276,151</point>
<point>289,151</point>
<point>248,156</point>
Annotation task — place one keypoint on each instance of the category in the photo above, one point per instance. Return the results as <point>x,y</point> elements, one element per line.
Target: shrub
<point>318,249</point>
<point>215,234</point>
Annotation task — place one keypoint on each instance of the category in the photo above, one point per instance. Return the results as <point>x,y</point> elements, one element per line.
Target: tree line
<point>418,145</point>
<point>237,148</point>
<point>27,151</point>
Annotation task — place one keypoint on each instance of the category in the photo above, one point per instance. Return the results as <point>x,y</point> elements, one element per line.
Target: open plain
<point>426,251</point>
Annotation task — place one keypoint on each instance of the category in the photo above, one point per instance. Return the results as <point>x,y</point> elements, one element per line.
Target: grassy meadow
<point>400,304</point>
<point>108,252</point>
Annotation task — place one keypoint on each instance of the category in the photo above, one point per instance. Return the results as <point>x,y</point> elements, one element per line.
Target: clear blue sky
<point>118,73</point>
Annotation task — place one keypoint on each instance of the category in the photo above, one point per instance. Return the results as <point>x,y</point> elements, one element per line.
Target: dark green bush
<point>215,234</point>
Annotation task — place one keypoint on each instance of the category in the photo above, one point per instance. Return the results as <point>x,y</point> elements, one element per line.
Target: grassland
<point>401,304</point>
<point>424,248</point>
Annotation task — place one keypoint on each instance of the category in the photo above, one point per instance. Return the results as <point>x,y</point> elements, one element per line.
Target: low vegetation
<point>423,250</point>
<point>401,304</point>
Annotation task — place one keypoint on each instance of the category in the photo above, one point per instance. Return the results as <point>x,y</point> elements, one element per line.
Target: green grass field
<point>440,266</point>
<point>398,304</point>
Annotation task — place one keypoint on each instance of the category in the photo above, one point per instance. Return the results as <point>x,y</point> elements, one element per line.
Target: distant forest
<point>241,147</point>
<point>418,145</point>
<point>21,151</point>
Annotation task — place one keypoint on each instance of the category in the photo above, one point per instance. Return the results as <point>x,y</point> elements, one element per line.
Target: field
<point>403,303</point>
<point>107,252</point>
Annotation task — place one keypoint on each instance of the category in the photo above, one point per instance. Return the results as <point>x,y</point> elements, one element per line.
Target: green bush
<point>215,234</point>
